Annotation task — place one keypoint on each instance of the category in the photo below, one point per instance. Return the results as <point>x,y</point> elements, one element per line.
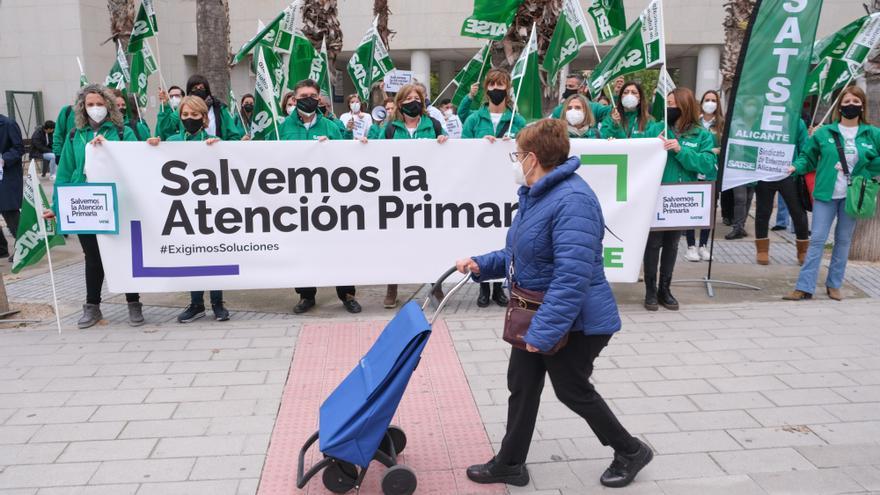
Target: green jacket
<point>599,110</point>
<point>377,131</point>
<point>425,130</point>
<point>183,136</point>
<point>611,129</point>
<point>73,160</point>
<point>168,123</point>
<point>820,154</point>
<point>293,128</point>
<point>143,130</point>
<point>479,124</point>
<point>63,124</point>
<point>464,108</point>
<point>695,158</point>
<point>589,133</point>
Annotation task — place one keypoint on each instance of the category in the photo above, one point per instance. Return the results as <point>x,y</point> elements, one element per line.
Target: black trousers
<point>662,249</point>
<point>765,200</point>
<point>341,292</point>
<point>569,371</point>
<point>95,270</point>
<point>11,218</point>
<point>197,297</point>
<point>692,240</point>
<point>742,202</point>
<point>727,202</point>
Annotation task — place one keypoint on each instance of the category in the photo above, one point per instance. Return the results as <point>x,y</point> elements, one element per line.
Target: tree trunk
<point>4,301</point>
<point>866,240</point>
<point>212,33</point>
<point>380,8</point>
<point>121,20</point>
<point>735,23</point>
<point>321,21</point>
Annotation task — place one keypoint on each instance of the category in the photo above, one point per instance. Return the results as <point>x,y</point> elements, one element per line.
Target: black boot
<point>651,303</point>
<point>492,472</point>
<point>625,467</point>
<point>483,298</point>
<point>498,294</point>
<point>664,295</point>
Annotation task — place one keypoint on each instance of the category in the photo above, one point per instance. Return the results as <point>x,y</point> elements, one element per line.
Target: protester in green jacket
<point>97,120</point>
<point>579,118</point>
<point>631,118</point>
<point>221,122</point>
<point>574,83</point>
<point>860,143</point>
<point>305,123</point>
<point>495,119</point>
<point>140,128</point>
<point>63,124</point>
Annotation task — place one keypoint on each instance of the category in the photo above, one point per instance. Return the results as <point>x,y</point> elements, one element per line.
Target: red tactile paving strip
<point>443,427</point>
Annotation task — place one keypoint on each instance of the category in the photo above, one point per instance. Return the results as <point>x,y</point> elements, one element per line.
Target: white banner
<point>249,215</point>
<point>686,205</point>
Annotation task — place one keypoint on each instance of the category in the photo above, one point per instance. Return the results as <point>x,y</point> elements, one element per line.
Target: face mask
<point>447,113</point>
<point>200,92</point>
<point>569,92</point>
<point>574,117</point>
<point>290,109</point>
<point>307,106</point>
<point>672,115</point>
<point>248,108</point>
<point>323,110</point>
<point>496,96</point>
<point>518,175</point>
<point>355,107</point>
<point>850,111</point>
<point>630,102</point>
<point>193,126</point>
<point>412,108</point>
<point>97,114</point>
<point>123,111</point>
<point>175,101</point>
<point>709,107</point>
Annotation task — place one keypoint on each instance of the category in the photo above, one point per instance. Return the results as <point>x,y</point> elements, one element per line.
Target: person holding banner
<point>306,123</point>
<point>554,248</point>
<point>579,118</point>
<point>97,120</point>
<point>356,122</point>
<point>220,121</point>
<point>837,152</point>
<point>631,117</point>
<point>194,117</point>
<point>712,119</point>
<point>689,148</point>
<point>138,127</point>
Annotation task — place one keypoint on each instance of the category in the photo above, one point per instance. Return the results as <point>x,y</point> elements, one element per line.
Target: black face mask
<point>193,126</point>
<point>496,96</point>
<point>323,110</point>
<point>248,108</point>
<point>672,115</point>
<point>412,108</point>
<point>850,111</point>
<point>200,92</point>
<point>307,106</point>
<point>568,92</point>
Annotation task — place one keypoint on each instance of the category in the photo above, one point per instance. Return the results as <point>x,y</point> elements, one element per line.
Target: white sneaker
<point>692,254</point>
<point>704,253</point>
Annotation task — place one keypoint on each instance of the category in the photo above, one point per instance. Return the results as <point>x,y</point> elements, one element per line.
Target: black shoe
<point>351,304</point>
<point>304,304</point>
<point>483,298</point>
<point>220,313</point>
<point>664,295</point>
<point>726,221</point>
<point>498,294</point>
<point>11,259</point>
<point>735,234</point>
<point>651,303</point>
<point>492,472</point>
<point>624,468</point>
<point>776,228</point>
<point>191,313</point>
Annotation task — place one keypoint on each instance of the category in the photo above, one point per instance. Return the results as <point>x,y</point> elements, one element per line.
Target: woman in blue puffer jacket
<point>555,246</point>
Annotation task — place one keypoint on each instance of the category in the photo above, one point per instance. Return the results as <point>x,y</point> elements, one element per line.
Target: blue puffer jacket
<point>556,241</point>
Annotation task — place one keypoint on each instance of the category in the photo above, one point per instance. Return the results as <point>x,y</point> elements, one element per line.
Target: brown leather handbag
<point>521,308</point>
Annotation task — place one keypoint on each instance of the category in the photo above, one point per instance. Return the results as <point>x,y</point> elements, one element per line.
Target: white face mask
<point>447,113</point>
<point>175,101</point>
<point>518,175</point>
<point>290,109</point>
<point>97,113</point>
<point>574,117</point>
<point>630,101</point>
<point>709,106</point>
<point>355,107</point>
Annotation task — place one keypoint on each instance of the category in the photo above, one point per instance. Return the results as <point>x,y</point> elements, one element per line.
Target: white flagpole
<point>839,95</point>
<point>81,71</point>
<point>598,57</point>
<point>663,68</point>
<point>38,208</point>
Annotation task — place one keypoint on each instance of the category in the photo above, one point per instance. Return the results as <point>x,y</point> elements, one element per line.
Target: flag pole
<point>38,208</point>
<point>598,57</point>
<point>663,68</point>
<point>521,79</point>
<point>81,71</point>
<point>839,95</point>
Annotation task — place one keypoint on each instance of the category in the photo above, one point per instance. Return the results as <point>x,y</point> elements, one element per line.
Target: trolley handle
<point>448,295</point>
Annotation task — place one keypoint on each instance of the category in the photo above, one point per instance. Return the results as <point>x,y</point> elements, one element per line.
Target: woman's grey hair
<point>79,108</point>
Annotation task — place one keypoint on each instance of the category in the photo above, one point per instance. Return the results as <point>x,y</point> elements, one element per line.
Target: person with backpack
<point>579,118</point>
<point>846,157</point>
<point>221,123</point>
<point>97,120</point>
<point>131,120</point>
<point>492,121</point>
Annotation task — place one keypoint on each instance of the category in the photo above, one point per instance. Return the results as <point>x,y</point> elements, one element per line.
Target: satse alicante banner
<point>292,214</point>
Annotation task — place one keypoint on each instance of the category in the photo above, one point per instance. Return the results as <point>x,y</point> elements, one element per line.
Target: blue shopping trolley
<point>355,421</point>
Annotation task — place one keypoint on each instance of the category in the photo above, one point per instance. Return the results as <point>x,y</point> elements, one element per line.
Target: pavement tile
<point>808,482</point>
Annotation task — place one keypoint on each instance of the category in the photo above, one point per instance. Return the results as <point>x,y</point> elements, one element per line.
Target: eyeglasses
<point>514,155</point>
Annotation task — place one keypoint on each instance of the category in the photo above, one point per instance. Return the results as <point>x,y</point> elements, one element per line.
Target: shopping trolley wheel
<point>340,476</point>
<point>398,438</point>
<point>399,480</point>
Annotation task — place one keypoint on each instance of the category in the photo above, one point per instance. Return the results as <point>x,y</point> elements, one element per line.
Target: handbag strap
<point>842,157</point>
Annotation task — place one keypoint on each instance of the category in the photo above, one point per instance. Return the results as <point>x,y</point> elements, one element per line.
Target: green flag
<point>836,44</point>
<point>369,63</point>
<point>526,81</point>
<point>144,26</point>
<point>30,247</point>
<point>570,34</point>
<point>142,65</point>
<point>118,76</point>
<point>264,124</point>
<point>302,57</point>
<point>323,73</point>
<point>862,43</point>
<point>83,80</point>
<point>765,106</point>
<point>278,34</point>
<point>473,73</point>
<point>641,47</point>
<point>491,19</point>
<point>664,86</point>
<point>610,18</point>
<point>829,76</point>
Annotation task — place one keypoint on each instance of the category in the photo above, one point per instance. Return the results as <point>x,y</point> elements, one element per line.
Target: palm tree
<point>212,43</point>
<point>380,8</point>
<point>321,22</point>
<point>121,20</point>
<point>735,23</point>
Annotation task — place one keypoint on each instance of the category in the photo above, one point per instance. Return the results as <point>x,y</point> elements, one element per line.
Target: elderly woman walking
<point>554,250</point>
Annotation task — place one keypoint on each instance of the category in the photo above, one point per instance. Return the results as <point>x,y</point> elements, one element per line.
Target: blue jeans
<point>824,213</point>
<point>198,297</point>
<point>781,212</point>
<point>49,163</point>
